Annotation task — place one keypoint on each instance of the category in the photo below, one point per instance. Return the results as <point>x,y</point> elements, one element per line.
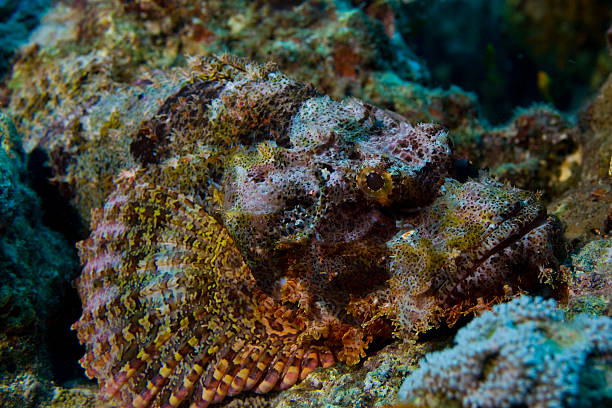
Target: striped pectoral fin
<point>272,374</point>
<point>240,379</point>
<point>235,378</point>
<point>125,373</point>
<point>290,365</point>
<point>310,362</point>
<point>147,379</point>
<point>262,367</point>
<point>291,374</point>
<point>213,385</point>
<point>326,358</point>
<point>228,379</point>
<point>155,384</point>
<point>187,385</point>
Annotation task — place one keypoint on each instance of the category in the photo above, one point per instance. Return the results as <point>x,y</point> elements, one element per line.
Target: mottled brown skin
<point>263,236</point>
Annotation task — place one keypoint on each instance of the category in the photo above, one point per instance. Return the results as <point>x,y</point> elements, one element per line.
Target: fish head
<point>321,208</point>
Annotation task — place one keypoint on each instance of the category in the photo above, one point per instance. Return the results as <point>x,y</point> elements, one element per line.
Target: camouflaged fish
<point>270,230</point>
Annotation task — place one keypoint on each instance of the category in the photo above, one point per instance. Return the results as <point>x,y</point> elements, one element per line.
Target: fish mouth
<point>478,244</point>
<point>521,222</point>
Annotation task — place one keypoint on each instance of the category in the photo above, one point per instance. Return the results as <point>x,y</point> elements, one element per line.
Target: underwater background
<point>441,113</point>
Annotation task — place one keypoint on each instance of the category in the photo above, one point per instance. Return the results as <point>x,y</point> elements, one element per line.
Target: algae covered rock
<point>371,384</point>
<point>591,280</point>
<point>585,207</point>
<point>522,353</point>
<point>36,266</point>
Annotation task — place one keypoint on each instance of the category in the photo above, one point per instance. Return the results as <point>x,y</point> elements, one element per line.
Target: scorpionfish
<point>269,230</point>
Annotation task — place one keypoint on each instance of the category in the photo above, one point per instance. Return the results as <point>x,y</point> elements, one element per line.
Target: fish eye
<point>376,184</point>
<point>375,181</point>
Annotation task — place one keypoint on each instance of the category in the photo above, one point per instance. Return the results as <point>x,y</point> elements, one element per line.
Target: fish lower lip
<point>471,269</point>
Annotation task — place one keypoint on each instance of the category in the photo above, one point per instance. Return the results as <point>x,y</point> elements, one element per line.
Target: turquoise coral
<point>522,353</point>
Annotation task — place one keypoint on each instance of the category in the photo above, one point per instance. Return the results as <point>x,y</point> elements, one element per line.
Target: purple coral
<point>522,353</point>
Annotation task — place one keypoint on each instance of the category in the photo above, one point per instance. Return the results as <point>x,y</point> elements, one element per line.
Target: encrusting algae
<point>268,230</point>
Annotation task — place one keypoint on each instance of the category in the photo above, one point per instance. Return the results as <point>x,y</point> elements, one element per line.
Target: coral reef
<point>36,266</point>
<point>342,220</point>
<point>269,230</point>
<point>522,353</point>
